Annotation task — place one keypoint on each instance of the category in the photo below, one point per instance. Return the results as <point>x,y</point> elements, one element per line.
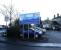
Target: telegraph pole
<point>10,12</point>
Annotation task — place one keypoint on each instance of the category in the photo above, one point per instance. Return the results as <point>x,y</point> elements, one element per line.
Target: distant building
<point>57,19</point>
<point>56,22</point>
<point>47,23</point>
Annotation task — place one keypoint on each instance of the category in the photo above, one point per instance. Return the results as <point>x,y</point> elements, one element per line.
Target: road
<point>54,36</point>
<point>4,46</point>
<point>53,43</point>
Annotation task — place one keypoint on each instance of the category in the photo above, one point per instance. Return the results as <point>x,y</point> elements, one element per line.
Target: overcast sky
<point>47,8</point>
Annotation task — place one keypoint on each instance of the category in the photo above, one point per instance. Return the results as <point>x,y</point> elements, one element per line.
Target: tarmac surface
<point>53,43</point>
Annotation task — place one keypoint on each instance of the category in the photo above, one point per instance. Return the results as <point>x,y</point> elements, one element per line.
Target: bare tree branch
<point>9,12</point>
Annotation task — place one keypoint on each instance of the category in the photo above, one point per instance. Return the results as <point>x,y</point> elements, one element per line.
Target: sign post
<point>29,18</point>
<point>6,19</point>
<point>28,31</point>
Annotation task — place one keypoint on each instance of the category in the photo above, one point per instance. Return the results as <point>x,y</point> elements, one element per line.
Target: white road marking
<point>47,44</point>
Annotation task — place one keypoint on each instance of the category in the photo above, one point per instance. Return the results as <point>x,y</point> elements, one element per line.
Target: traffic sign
<point>29,18</point>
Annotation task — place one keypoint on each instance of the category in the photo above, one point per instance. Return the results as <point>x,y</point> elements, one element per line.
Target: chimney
<point>57,14</point>
<point>54,16</point>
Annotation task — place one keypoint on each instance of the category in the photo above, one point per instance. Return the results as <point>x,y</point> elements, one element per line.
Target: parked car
<point>47,26</point>
<point>33,32</point>
<point>3,32</point>
<point>55,27</point>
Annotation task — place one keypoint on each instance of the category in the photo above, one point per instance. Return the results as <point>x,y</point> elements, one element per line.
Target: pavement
<point>53,43</point>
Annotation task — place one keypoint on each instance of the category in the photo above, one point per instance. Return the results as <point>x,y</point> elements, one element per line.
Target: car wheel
<point>36,36</point>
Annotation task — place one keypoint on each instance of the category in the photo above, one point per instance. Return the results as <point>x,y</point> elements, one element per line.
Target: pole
<point>10,12</point>
<point>6,27</point>
<point>34,35</point>
<point>28,31</point>
<point>23,31</point>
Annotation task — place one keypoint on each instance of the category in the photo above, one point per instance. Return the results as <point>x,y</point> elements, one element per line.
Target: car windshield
<point>37,28</point>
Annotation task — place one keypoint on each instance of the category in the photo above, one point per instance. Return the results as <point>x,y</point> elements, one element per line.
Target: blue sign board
<point>29,18</point>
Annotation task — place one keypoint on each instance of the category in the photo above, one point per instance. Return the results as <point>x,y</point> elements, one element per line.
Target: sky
<point>47,8</point>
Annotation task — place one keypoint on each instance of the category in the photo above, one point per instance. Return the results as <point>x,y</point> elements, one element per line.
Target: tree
<point>9,13</point>
<point>13,31</point>
<point>47,20</point>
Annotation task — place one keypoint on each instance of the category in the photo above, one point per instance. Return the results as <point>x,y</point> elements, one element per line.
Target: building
<point>56,22</point>
<point>57,19</point>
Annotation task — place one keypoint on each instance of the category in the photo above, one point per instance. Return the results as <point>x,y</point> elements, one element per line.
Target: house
<point>57,19</point>
<point>56,22</point>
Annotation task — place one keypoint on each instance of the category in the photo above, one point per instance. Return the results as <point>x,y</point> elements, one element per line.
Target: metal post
<point>39,21</point>
<point>28,31</point>
<point>34,34</point>
<point>6,27</point>
<point>23,31</point>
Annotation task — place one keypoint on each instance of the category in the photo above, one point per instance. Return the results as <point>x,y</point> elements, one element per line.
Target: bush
<point>13,31</point>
